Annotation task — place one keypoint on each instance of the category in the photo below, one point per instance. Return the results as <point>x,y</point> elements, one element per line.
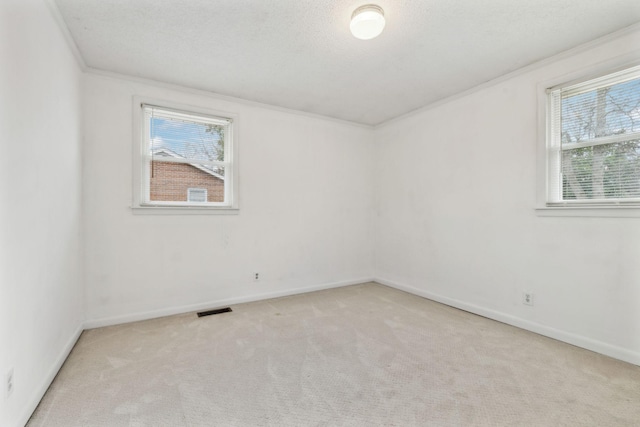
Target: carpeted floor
<point>363,355</point>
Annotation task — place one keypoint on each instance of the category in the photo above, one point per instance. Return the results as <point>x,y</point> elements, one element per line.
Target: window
<point>197,195</point>
<point>593,142</point>
<point>185,160</point>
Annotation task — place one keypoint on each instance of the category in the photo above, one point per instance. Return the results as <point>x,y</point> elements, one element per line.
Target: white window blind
<point>594,141</point>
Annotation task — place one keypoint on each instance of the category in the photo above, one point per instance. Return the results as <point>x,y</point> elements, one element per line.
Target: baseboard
<point>169,311</point>
<point>37,395</point>
<point>573,339</point>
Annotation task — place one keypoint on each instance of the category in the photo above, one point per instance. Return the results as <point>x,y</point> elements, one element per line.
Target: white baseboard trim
<point>570,338</point>
<point>169,311</point>
<point>37,395</point>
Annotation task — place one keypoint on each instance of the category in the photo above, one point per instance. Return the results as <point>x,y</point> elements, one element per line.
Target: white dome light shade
<point>367,22</point>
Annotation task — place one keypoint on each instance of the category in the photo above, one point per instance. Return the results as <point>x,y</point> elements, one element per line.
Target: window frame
<point>141,204</point>
<point>548,154</point>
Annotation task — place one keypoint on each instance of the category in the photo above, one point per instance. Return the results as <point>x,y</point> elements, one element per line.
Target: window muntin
<point>182,151</point>
<point>593,141</point>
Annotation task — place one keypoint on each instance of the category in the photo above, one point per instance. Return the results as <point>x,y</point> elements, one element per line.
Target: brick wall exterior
<point>170,181</point>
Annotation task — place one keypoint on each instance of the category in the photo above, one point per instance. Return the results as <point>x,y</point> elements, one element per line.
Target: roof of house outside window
<point>165,152</point>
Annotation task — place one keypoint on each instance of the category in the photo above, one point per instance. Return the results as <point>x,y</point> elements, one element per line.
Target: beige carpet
<point>363,355</point>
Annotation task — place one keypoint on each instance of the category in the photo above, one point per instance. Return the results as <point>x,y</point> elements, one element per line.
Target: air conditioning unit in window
<point>197,195</point>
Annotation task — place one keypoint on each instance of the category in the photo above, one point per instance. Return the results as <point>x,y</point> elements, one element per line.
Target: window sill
<point>183,210</point>
<point>590,211</point>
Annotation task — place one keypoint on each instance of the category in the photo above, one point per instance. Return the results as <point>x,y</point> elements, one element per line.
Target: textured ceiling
<point>300,54</point>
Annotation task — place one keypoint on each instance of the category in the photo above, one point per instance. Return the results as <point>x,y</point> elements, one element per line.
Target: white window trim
<point>574,209</point>
<point>138,163</point>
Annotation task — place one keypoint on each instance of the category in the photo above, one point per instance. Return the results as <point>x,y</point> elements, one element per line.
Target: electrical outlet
<point>527,298</point>
<point>8,384</point>
<point>256,277</point>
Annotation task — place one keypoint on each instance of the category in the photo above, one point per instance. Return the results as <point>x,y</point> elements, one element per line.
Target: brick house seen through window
<point>172,181</point>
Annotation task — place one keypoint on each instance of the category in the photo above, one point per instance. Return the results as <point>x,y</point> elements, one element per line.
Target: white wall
<point>41,293</point>
<point>455,216</point>
<point>306,200</point>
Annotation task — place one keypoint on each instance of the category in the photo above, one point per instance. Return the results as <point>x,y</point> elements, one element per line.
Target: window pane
<point>602,171</point>
<point>181,145</point>
<point>170,182</point>
<point>605,111</point>
<point>187,139</point>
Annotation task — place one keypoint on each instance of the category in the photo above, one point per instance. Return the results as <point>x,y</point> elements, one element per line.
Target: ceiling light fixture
<point>367,22</point>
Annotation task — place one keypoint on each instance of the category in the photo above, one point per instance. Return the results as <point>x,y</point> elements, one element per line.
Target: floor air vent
<point>216,311</point>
